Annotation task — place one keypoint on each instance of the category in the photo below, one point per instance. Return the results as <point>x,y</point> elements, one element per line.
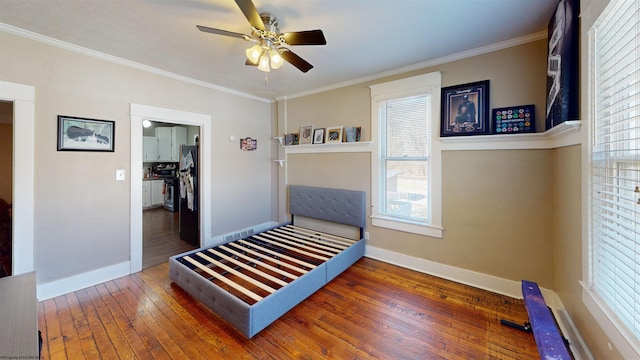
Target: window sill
<point>610,325</point>
<point>407,226</point>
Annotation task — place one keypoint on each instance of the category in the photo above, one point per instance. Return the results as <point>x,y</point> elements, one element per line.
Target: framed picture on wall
<point>81,134</point>
<point>306,134</point>
<point>318,136</point>
<point>465,109</point>
<point>563,64</point>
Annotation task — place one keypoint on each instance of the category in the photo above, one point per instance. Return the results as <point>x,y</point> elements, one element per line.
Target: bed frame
<point>253,281</point>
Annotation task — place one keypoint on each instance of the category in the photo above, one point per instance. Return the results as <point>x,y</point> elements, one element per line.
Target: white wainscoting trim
<point>76,282</point>
<point>487,282</point>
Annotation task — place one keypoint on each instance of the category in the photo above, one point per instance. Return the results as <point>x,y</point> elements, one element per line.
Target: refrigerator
<point>189,213</point>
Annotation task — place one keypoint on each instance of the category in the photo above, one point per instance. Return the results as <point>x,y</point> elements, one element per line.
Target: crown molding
<point>425,64</point>
<point>120,61</point>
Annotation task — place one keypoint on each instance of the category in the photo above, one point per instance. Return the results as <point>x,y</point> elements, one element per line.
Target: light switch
<point>120,174</point>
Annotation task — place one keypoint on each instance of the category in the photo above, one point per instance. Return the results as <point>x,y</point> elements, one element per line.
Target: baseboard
<point>479,280</point>
<point>490,283</point>
<point>76,282</point>
<point>579,348</point>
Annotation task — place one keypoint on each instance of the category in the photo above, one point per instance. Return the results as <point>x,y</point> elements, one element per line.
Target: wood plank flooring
<point>371,311</point>
<point>161,236</point>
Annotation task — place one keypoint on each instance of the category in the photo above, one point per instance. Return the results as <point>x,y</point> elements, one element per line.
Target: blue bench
<point>550,342</point>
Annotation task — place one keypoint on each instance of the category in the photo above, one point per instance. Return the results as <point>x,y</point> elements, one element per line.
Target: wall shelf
<point>564,134</point>
<point>345,147</point>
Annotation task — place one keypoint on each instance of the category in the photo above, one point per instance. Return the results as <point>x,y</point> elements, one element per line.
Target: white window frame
<point>417,85</point>
<point>617,333</point>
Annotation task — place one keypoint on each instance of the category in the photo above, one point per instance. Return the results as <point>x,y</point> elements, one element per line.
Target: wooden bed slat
<point>237,273</point>
<point>327,249</point>
<point>313,238</point>
<point>322,235</point>
<point>272,268</point>
<point>281,243</point>
<point>329,237</point>
<point>247,292</point>
<point>281,255</point>
<point>249,268</point>
<point>297,242</point>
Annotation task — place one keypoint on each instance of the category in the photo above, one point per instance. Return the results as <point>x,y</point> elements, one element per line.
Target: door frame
<point>23,98</point>
<point>139,113</point>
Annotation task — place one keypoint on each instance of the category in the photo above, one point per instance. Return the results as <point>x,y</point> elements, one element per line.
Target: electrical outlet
<point>120,174</point>
<point>366,235</point>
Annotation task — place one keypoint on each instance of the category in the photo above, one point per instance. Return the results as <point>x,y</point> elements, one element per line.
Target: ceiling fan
<point>271,48</point>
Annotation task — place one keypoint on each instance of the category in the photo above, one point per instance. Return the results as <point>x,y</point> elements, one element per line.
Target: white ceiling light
<point>146,123</point>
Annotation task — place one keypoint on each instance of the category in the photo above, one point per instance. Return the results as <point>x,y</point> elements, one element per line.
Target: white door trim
<point>23,98</point>
<point>139,113</point>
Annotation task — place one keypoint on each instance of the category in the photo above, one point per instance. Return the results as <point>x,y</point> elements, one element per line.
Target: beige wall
<point>82,215</point>
<point>481,190</point>
<point>567,206</point>
<point>6,161</point>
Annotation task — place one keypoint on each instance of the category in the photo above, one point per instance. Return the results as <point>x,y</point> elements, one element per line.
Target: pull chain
<point>266,80</point>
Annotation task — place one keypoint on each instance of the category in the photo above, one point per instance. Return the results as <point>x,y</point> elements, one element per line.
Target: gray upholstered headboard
<point>335,205</point>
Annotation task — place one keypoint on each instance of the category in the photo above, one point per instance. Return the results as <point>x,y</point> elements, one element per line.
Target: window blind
<point>615,166</point>
<point>405,156</point>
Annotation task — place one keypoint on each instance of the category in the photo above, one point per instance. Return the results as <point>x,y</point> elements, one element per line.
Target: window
<point>406,160</point>
<point>615,168</point>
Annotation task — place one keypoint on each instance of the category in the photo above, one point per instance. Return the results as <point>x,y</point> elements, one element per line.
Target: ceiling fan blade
<point>309,37</point>
<point>296,60</point>
<point>251,13</point>
<point>222,32</point>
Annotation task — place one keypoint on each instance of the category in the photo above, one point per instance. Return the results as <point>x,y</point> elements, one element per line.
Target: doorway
<point>144,112</point>
<point>162,217</point>
<point>22,207</point>
<point>6,185</point>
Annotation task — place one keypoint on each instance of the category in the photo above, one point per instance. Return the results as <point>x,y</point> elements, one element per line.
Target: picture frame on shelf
<point>465,109</point>
<point>82,134</point>
<point>334,134</point>
<point>318,136</point>
<point>514,119</point>
<point>350,134</point>
<point>290,139</point>
<point>306,134</point>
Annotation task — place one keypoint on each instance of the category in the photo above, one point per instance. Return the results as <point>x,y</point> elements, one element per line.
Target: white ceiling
<point>364,37</point>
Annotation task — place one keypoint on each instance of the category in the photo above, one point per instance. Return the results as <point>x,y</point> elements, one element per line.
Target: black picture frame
<point>563,70</point>
<point>318,136</point>
<point>465,109</point>
<point>83,134</point>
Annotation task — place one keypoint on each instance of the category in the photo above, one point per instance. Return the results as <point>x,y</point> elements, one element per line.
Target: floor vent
<point>239,235</point>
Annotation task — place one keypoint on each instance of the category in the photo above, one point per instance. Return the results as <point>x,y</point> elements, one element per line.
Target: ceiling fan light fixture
<point>276,59</point>
<point>263,62</point>
<point>253,53</point>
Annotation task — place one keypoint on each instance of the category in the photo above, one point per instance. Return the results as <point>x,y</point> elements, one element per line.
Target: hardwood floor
<point>161,237</point>
<point>371,311</point>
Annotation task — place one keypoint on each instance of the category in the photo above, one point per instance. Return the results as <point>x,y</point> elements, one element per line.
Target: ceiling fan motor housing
<point>270,23</point>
